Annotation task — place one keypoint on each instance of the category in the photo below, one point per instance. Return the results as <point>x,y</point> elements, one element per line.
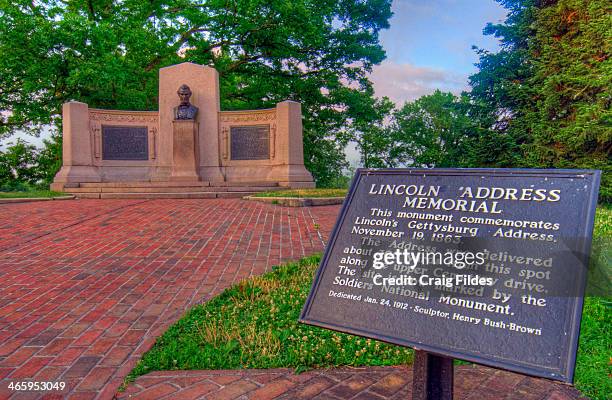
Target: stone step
<point>184,195</point>
<point>173,184</point>
<point>175,189</point>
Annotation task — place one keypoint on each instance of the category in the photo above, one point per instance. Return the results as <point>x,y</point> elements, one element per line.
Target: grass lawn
<point>254,325</point>
<point>304,193</point>
<point>30,194</point>
<point>594,363</point>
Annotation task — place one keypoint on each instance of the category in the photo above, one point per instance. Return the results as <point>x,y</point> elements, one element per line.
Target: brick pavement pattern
<point>374,383</point>
<point>87,285</point>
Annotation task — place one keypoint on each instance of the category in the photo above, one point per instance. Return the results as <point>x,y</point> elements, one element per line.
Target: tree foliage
<point>371,132</point>
<point>16,165</point>
<point>24,166</point>
<point>542,100</point>
<point>437,130</point>
<point>548,88</point>
<point>572,120</point>
<point>106,53</point>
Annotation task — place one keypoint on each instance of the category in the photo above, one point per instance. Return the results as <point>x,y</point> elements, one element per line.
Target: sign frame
<point>567,373</point>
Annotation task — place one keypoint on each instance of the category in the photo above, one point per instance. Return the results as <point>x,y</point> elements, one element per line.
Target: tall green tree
<point>499,89</point>
<point>571,121</point>
<point>107,53</point>
<point>548,88</point>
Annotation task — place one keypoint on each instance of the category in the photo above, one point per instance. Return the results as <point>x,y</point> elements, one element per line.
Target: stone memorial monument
<point>189,148</point>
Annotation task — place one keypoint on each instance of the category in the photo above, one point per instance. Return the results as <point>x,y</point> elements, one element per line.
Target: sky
<point>429,47</point>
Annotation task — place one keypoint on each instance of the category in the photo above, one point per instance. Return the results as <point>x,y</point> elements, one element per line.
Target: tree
<point>572,120</point>
<point>371,132</point>
<point>17,166</point>
<point>24,166</point>
<point>436,130</point>
<point>499,88</point>
<point>49,159</point>
<point>107,53</point>
<point>548,87</point>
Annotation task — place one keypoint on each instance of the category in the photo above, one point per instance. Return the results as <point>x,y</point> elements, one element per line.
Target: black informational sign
<point>250,142</point>
<point>485,265</point>
<point>125,142</point>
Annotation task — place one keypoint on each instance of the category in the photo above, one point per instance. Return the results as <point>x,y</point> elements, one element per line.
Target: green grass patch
<point>599,282</point>
<point>594,363</point>
<point>254,325</point>
<point>299,193</point>
<point>30,194</point>
<point>603,221</point>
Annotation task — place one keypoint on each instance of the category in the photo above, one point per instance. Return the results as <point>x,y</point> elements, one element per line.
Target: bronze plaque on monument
<point>250,142</point>
<point>125,142</point>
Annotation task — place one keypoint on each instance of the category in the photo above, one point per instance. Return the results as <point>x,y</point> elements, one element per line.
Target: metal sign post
<point>432,377</point>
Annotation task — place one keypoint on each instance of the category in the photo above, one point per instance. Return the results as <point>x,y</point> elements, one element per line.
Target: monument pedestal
<point>184,145</point>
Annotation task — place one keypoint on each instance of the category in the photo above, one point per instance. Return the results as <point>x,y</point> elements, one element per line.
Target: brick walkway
<point>376,383</point>
<point>88,285</point>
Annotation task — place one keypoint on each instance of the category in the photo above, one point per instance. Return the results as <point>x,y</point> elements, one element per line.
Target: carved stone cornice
<point>248,115</point>
<point>123,116</point>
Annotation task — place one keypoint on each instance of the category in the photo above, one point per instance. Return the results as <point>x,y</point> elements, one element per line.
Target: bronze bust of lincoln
<point>185,110</point>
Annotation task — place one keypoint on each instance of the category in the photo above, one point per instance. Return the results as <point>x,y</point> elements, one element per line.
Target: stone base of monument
<point>165,190</point>
<point>75,173</point>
